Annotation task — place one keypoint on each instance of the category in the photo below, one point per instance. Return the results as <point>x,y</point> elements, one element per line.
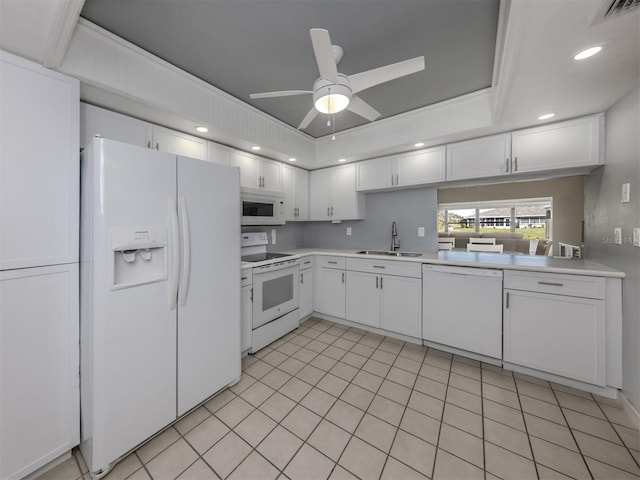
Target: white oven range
<point>275,290</point>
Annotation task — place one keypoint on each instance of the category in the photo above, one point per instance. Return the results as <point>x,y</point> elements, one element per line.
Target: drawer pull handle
<point>307,262</point>
<point>378,266</point>
<point>551,284</point>
<point>244,278</point>
<point>333,263</point>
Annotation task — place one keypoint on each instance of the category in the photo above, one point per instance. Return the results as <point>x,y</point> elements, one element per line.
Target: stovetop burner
<point>260,257</point>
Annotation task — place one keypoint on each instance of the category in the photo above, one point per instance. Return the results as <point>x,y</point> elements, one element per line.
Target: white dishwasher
<point>462,308</point>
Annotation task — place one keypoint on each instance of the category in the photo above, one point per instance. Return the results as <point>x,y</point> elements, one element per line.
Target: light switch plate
<point>625,192</point>
<point>636,237</point>
<point>348,230</point>
<point>421,231</point>
<point>617,236</point>
<point>273,236</point>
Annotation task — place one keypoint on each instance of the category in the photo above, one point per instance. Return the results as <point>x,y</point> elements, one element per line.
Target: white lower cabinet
<point>246,309</point>
<point>363,298</point>
<point>549,330</point>
<point>306,287</point>
<point>400,305</point>
<point>330,290</point>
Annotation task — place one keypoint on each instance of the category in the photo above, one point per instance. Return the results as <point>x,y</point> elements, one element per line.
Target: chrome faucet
<point>395,243</point>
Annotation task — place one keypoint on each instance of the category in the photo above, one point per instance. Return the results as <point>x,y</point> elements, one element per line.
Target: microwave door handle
<point>175,255</point>
<point>186,253</point>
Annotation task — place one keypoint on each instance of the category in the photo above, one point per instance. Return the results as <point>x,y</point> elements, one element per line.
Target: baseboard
<point>629,408</point>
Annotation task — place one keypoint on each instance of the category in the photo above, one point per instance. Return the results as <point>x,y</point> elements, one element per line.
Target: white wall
<point>604,211</point>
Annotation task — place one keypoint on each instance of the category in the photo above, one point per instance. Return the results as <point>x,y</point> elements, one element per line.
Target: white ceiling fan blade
<point>362,108</point>
<point>324,54</point>
<point>362,81</point>
<point>308,118</point>
<point>283,93</point>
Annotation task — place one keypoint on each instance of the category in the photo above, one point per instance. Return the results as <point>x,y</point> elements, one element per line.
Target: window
<point>527,217</point>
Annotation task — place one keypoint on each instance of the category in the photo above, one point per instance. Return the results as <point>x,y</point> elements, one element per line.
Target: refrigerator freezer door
<point>209,319</point>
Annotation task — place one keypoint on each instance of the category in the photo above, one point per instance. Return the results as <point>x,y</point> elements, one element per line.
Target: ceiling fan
<point>334,91</point>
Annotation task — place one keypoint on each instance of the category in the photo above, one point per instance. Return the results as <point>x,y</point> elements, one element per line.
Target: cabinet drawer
<point>331,262</point>
<point>570,285</point>
<point>306,263</point>
<point>246,277</point>
<point>385,267</point>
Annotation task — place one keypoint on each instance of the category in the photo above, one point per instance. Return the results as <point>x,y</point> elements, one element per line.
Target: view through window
<point>527,217</point>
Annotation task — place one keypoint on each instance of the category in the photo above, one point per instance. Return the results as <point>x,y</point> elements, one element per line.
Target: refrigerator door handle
<point>175,253</point>
<point>186,253</point>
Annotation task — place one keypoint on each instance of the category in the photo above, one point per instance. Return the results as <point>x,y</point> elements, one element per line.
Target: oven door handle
<point>274,267</point>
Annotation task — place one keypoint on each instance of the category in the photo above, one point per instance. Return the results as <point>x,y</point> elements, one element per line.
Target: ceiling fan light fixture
<point>329,97</point>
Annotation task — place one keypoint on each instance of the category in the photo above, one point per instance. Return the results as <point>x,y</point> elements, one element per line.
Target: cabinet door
<point>39,355</point>
<point>302,194</point>
<point>107,124</point>
<point>246,306</point>
<point>219,154</point>
<point>248,169</point>
<point>559,145</point>
<point>556,334</point>
<point>331,292</point>
<point>401,305</point>
<point>363,304</point>
<point>344,198</point>
<point>423,167</point>
<point>481,157</point>
<point>289,190</point>
<point>271,177</point>
<point>376,174</point>
<point>179,143</point>
<point>306,293</point>
<point>319,202</point>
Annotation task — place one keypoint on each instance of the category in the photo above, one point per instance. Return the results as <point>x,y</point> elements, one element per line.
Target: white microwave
<point>262,207</point>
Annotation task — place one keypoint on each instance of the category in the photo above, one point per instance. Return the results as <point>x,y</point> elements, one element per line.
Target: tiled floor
<point>328,401</point>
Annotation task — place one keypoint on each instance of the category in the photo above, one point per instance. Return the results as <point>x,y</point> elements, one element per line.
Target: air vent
<point>615,8</point>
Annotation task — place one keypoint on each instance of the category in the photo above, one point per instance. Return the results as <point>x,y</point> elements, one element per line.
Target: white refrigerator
<point>159,292</point>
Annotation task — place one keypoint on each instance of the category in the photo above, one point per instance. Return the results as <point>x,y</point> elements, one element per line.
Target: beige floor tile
<point>206,434</point>
<point>198,471</point>
<point>344,343</point>
<point>353,334</point>
<point>305,355</point>
<point>318,401</point>
<point>413,452</point>
<point>340,473</point>
<point>329,439</point>
<point>291,366</point>
<point>438,361</point>
<point>449,467</point>
<point>503,414</point>
<point>591,425</point>
<point>508,465</point>
<point>558,458</point>
<point>316,345</point>
<point>157,444</point>
<point>391,345</point>
<point>579,404</point>
<point>275,358</point>
<point>254,467</point>
<point>83,465</point>
<point>219,400</point>
<point>227,454</point>
<point>602,471</point>
<point>499,380</point>
<point>291,348</point>
<point>368,381</point>
<point>279,447</point>
<point>277,406</point>
<point>376,432</point>
<point>354,359</point>
<point>248,360</point>
<point>245,382</point>
<point>327,338</point>
<point>542,409</point>
<point>572,391</point>
<point>310,374</point>
<point>357,396</point>
<point>268,349</point>
<point>255,427</point>
<point>275,378</point>
<point>462,444</point>
<point>371,340</point>
<point>630,436</point>
<point>421,426</point>
<point>362,459</point>
<point>465,383</point>
<point>500,395</point>
<point>395,470</point>
<point>173,461</point>
<point>301,421</point>
<point>407,364</point>
<point>122,470</point>
<point>413,351</point>
<point>606,452</point>
<point>467,360</point>
<point>332,384</point>
<point>384,357</point>
<point>463,419</point>
<point>323,362</point>
<point>192,420</point>
<point>545,473</point>
<point>620,416</point>
<point>257,393</point>
<point>309,464</point>
<point>395,391</point>
<point>434,373</point>
<point>300,340</point>
<point>487,367</point>
<point>258,369</point>
<point>426,404</point>
<point>67,470</point>
<point>295,389</point>
<point>507,437</point>
<point>636,455</point>
<point>530,379</point>
<point>334,352</point>
<point>140,474</point>
<point>550,431</point>
<point>386,409</point>
<point>613,402</point>
<point>536,391</point>
<point>344,371</point>
<point>430,387</point>
<point>377,368</point>
<point>345,416</point>
<point>466,370</point>
<point>234,412</point>
<point>465,400</point>
<point>402,377</point>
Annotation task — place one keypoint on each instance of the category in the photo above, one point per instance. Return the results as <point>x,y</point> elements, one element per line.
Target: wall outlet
<point>273,236</point>
<point>617,236</point>
<point>625,192</point>
<point>636,237</point>
<point>348,230</point>
<point>421,231</point>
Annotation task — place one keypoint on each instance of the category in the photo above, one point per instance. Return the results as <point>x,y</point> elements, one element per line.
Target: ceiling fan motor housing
<point>330,97</point>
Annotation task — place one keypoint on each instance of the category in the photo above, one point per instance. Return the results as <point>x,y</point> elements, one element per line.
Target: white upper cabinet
<point>407,169</point>
<point>333,196</point>
<point>295,186</point>
<point>257,172</point>
<point>179,143</point>
<point>575,143</point>
<point>219,154</point>
<point>480,157</point>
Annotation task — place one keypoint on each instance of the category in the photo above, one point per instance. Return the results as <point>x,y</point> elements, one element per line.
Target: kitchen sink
<point>388,253</point>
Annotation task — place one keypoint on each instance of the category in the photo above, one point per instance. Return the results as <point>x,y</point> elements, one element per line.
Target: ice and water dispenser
<point>139,256</point>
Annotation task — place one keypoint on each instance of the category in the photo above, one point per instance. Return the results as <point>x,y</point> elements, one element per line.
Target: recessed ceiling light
<point>419,144</point>
<point>202,129</point>
<point>588,52</point>
<point>546,116</point>
<point>342,160</point>
<point>255,147</point>
<point>292,159</point>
